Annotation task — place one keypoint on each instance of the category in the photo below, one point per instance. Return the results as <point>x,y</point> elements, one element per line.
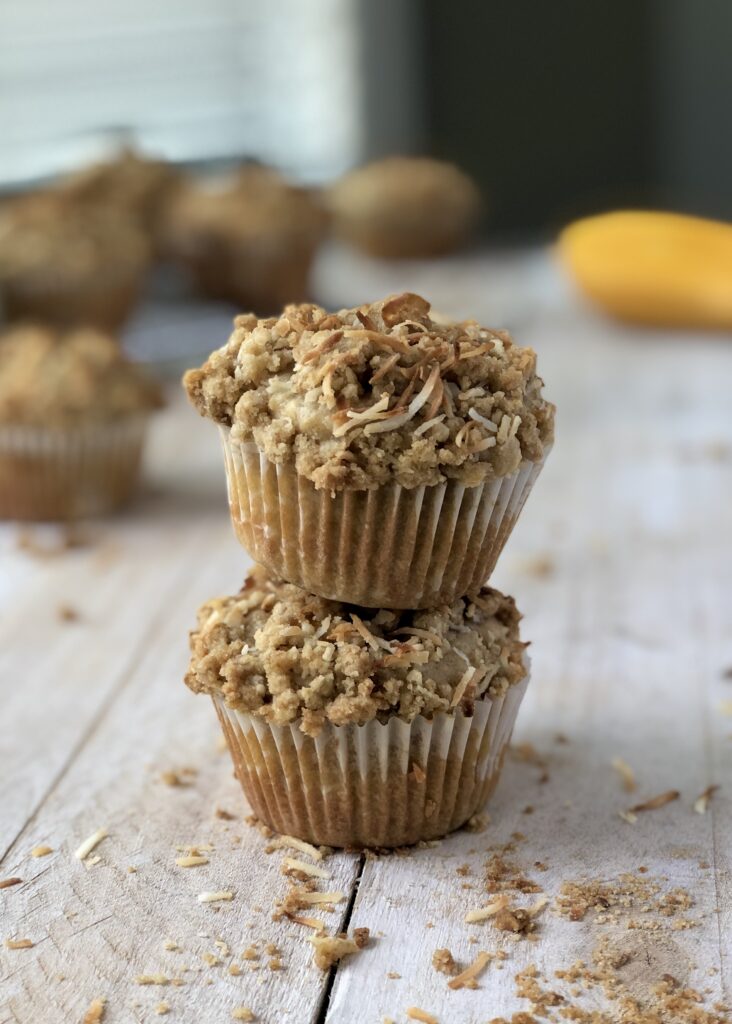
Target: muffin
<point>373,455</point>
<point>73,412</point>
<point>354,727</point>
<point>140,187</point>
<point>405,207</point>
<point>68,264</point>
<point>251,243</point>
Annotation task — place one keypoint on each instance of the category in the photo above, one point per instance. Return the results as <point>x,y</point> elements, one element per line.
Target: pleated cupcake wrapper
<point>72,473</point>
<point>391,547</point>
<point>373,785</point>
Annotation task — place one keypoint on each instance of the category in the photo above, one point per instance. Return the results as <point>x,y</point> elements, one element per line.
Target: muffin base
<point>391,547</point>
<point>68,474</point>
<point>373,785</point>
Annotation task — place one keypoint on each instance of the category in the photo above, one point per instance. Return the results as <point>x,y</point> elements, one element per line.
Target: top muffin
<point>377,394</point>
<point>130,181</point>
<point>405,207</point>
<point>61,380</point>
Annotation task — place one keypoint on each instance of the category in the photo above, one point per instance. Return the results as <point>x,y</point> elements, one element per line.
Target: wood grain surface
<point>622,565</point>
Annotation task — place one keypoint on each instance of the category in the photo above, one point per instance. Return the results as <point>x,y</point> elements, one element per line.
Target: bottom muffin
<point>354,727</point>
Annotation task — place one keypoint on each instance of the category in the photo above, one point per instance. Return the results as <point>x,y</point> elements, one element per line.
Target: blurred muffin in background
<point>73,413</point>
<point>67,264</point>
<point>405,207</point>
<point>136,185</point>
<point>251,243</point>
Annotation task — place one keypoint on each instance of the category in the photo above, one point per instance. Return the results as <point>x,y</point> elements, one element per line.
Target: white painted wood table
<point>622,564</point>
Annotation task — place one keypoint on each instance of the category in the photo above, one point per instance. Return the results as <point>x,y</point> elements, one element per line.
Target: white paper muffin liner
<point>73,473</point>
<point>373,785</point>
<point>391,547</point>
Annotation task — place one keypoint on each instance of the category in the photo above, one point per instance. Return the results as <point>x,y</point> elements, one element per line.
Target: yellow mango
<point>653,268</point>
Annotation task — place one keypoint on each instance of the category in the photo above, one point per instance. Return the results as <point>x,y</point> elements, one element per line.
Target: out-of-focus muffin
<point>251,242</point>
<point>138,186</point>
<point>73,412</point>
<point>405,207</point>
<point>67,263</point>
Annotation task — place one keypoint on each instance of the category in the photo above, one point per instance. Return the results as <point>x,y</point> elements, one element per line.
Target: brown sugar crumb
<point>250,953</point>
<point>41,851</point>
<point>275,964</point>
<point>171,778</point>
<point>414,1013</point>
<point>393,976</point>
<point>7,883</point>
<point>656,801</point>
<point>162,1008</point>
<point>444,962</point>
<point>361,937</point>
<point>18,944</point>
<point>223,814</point>
<point>515,920</point>
<point>541,566</point>
<point>468,977</point>
<point>191,861</point>
<point>243,1013</point>
<point>95,1013</point>
<point>152,979</point>
<point>67,613</point>
<point>329,949</point>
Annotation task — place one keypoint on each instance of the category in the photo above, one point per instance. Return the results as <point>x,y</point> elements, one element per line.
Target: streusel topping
<point>57,379</point>
<point>50,237</point>
<point>277,651</point>
<point>377,394</point>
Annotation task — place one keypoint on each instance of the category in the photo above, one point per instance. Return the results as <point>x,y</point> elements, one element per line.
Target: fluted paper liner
<point>373,785</point>
<point>64,474</point>
<point>392,547</point>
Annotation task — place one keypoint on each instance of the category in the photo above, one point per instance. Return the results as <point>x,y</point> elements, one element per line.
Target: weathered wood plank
<point>628,608</point>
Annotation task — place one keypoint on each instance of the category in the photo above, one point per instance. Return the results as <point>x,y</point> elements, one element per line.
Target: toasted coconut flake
<point>656,801</point>
<point>484,445</point>
<point>414,406</point>
<point>384,368</point>
<point>6,883</point>
<point>490,910</point>
<point>222,896</point>
<point>626,773</point>
<point>95,1013</point>
<point>628,816</point>
<point>376,643</point>
<point>162,1008</point>
<point>462,686</point>
<point>152,979</point>
<point>309,922</point>
<point>471,972</point>
<point>504,428</point>
<point>290,842</point>
<point>19,944</point>
<point>325,346</point>
<point>483,420</point>
<point>514,426</point>
<point>320,897</point>
<point>423,634</point>
<point>323,627</point>
<point>428,424</point>
<point>90,843</point>
<point>414,1013</point>
<point>536,908</point>
<point>290,864</point>
<point>702,801</point>
<point>474,353</point>
<point>191,861</point>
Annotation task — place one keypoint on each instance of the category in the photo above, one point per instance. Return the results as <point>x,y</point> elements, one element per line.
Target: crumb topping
<point>277,651</point>
<point>61,379</point>
<point>376,394</point>
<point>50,238</point>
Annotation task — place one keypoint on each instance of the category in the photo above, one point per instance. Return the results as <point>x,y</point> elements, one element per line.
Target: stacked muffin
<point>366,679</point>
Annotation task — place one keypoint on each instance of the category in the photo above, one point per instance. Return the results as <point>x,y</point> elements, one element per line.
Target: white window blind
<point>186,79</point>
